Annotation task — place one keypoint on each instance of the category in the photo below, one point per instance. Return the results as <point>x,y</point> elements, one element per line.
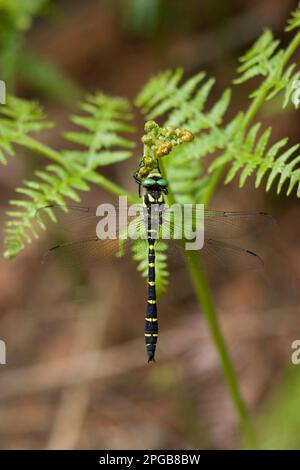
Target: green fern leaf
<point>294,21</point>
<point>257,59</point>
<point>74,170</point>
<point>18,119</point>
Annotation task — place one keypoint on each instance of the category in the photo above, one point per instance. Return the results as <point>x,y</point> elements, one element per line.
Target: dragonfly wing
<point>88,247</point>
<point>216,253</point>
<point>85,252</point>
<point>216,224</point>
<point>76,219</point>
<point>228,224</point>
<point>230,257</point>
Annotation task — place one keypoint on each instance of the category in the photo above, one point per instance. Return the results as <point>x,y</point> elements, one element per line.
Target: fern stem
<point>204,297</point>
<point>210,189</point>
<point>256,105</point>
<point>41,148</point>
<point>294,44</point>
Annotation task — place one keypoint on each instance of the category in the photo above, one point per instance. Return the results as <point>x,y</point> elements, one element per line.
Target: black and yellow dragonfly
<point>149,228</point>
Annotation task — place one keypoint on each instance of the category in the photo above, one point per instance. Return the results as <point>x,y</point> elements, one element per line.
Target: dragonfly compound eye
<point>162,182</point>
<point>148,182</point>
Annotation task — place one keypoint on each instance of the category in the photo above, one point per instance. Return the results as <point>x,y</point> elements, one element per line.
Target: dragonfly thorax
<point>153,197</point>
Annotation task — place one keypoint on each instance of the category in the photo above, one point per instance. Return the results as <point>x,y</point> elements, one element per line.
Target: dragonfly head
<point>155,184</point>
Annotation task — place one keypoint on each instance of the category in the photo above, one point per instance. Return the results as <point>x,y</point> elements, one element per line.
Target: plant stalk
<point>204,298</point>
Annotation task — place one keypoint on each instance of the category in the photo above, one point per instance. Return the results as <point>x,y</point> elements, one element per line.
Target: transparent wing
<point>227,224</point>
<point>230,257</point>
<point>218,225</point>
<point>82,221</point>
<point>221,224</point>
<point>87,251</point>
<point>219,256</point>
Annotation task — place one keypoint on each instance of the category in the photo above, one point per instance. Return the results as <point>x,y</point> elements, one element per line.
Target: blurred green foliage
<point>18,14</point>
<point>141,16</point>
<point>279,422</point>
<point>16,18</point>
<point>17,61</point>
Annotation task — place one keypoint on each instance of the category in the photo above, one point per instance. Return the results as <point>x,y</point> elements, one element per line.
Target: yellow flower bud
<point>187,136</point>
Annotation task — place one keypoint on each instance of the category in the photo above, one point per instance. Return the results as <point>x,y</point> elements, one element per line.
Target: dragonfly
<point>147,229</point>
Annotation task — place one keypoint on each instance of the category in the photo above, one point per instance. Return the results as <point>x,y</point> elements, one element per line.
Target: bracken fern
<point>72,170</point>
<point>245,148</point>
<point>193,169</point>
<point>237,145</point>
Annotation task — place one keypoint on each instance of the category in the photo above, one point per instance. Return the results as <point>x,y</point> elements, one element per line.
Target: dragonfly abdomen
<point>151,323</point>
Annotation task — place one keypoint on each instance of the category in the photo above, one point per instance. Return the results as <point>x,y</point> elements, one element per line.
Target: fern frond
<point>251,154</point>
<point>290,87</point>
<point>102,128</point>
<point>52,184</point>
<point>158,87</point>
<point>185,105</point>
<point>104,120</point>
<point>267,60</point>
<point>294,21</point>
<point>258,59</point>
<point>185,180</point>
<point>18,118</point>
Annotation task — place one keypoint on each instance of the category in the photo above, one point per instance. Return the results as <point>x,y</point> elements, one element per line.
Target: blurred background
<point>76,375</point>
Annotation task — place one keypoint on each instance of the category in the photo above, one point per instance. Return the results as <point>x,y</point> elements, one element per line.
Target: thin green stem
<point>213,183</point>
<point>204,297</point>
<point>292,47</point>
<point>41,148</point>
